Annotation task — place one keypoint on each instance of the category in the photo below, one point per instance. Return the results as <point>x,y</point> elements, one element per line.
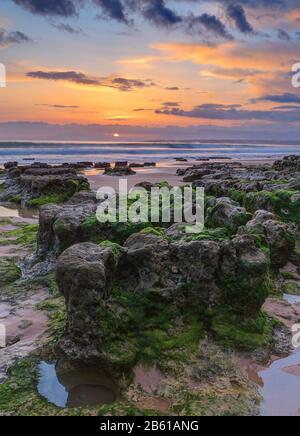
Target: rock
<point>195,174</point>
<point>210,272</point>
<point>150,164</point>
<point>59,228</point>
<point>181,159</point>
<point>9,165</point>
<point>146,185</point>
<point>280,237</point>
<point>227,213</point>
<point>102,165</point>
<point>37,185</point>
<point>137,165</point>
<point>85,274</point>
<point>181,172</point>
<point>176,231</point>
<point>243,275</point>
<point>119,171</point>
<point>288,163</point>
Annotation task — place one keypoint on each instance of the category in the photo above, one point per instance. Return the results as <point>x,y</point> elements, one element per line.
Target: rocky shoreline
<point>148,294</point>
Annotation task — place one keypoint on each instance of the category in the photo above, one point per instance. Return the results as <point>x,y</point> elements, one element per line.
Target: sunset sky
<point>149,69</point>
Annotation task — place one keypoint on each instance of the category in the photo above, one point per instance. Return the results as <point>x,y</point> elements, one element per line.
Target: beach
<point>163,171</point>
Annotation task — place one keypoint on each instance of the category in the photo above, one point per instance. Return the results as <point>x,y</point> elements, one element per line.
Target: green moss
<point>237,332</point>
<point>291,287</point>
<point>115,247</point>
<point>94,231</point>
<point>24,235</point>
<point>144,329</point>
<point>247,291</point>
<point>48,199</point>
<point>218,234</point>
<point>287,275</point>
<point>56,312</point>
<point>72,187</point>
<point>19,396</point>
<point>157,231</point>
<point>47,281</point>
<point>280,202</point>
<point>15,199</point>
<point>9,271</point>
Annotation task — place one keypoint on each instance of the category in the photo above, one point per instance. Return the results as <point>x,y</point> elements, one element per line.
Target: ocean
<point>59,152</point>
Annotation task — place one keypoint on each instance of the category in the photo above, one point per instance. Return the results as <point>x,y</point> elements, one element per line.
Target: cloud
<point>237,13</point>
<point>29,131</point>
<point>58,106</point>
<point>67,76</point>
<point>208,23</point>
<point>119,83</point>
<point>8,38</point>
<point>171,104</point>
<point>282,34</point>
<point>283,98</point>
<point>141,109</point>
<point>233,113</point>
<point>129,84</point>
<point>157,12</point>
<point>65,8</point>
<point>63,27</point>
<point>113,9</point>
<point>286,107</point>
<point>172,88</point>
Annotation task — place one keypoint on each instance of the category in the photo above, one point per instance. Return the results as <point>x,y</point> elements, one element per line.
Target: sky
<point>114,70</point>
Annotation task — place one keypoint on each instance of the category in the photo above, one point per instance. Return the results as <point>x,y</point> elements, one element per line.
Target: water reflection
<point>69,386</point>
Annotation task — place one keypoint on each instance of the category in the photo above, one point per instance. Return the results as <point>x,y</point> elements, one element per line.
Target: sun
<point>116,135</point>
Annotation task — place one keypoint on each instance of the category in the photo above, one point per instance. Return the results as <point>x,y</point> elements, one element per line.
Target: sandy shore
<point>164,171</point>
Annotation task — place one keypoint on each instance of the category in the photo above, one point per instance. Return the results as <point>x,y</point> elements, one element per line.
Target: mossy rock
<point>17,199</point>
<point>59,196</point>
<point>143,329</point>
<point>285,204</point>
<point>237,332</point>
<point>9,271</point>
<point>291,287</point>
<point>246,290</point>
<point>94,231</point>
<point>24,235</point>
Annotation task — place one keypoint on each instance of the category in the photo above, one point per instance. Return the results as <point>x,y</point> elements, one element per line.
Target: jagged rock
<point>59,228</point>
<point>280,237</point>
<point>146,185</point>
<point>227,213</point>
<point>102,165</point>
<point>119,171</point>
<point>195,174</point>
<point>9,165</point>
<point>84,274</point>
<point>288,163</point>
<point>29,183</point>
<point>234,271</point>
<point>243,275</point>
<point>137,165</point>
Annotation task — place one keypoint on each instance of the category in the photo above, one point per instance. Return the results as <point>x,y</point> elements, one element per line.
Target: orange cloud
<point>264,56</point>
